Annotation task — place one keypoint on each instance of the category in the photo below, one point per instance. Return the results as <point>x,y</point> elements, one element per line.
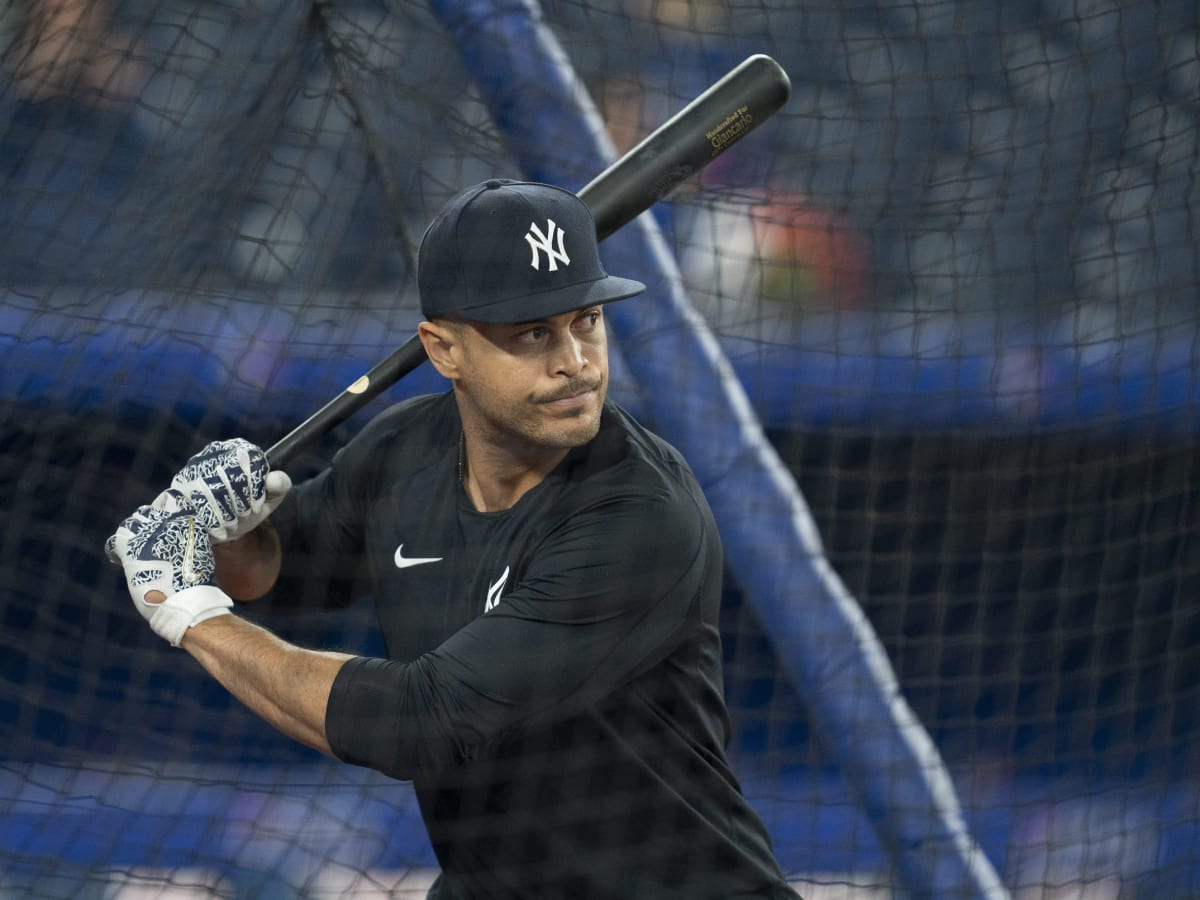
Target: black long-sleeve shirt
<point>552,684</point>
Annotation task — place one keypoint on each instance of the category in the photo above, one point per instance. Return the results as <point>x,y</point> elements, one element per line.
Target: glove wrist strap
<point>192,606</point>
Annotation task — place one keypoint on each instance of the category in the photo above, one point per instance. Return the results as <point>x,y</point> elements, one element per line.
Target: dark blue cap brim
<point>531,307</point>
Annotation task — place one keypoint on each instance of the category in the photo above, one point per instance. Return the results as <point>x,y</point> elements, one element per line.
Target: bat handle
<point>383,375</point>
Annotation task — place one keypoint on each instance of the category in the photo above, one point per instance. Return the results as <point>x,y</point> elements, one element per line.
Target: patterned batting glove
<point>231,487</point>
<point>166,549</point>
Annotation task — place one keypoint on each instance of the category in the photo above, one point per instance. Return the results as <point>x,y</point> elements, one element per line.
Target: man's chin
<point>569,431</point>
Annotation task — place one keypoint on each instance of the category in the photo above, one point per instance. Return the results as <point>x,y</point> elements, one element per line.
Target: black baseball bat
<point>700,132</point>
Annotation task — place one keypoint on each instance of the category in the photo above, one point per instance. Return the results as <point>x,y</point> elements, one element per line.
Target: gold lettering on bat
<point>359,386</point>
<point>732,127</point>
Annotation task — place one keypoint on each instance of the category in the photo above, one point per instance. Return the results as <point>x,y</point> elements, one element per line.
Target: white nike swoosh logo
<point>403,562</point>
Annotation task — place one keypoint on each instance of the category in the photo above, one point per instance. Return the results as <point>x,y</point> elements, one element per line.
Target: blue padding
<point>117,356</point>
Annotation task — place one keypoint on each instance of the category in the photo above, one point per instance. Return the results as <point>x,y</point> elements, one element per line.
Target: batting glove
<point>231,487</point>
<point>165,548</point>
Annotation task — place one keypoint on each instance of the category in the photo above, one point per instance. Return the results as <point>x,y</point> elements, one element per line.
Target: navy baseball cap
<point>514,251</point>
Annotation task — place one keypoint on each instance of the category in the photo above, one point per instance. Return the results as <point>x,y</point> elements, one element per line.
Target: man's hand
<point>231,487</point>
<point>168,561</point>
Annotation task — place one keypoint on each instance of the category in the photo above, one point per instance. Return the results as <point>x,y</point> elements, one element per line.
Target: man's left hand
<point>168,561</point>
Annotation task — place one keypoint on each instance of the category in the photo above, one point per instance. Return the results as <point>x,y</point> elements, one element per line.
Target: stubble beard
<point>529,423</point>
<point>575,429</point>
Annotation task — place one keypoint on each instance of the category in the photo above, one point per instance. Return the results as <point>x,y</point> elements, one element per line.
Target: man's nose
<point>569,358</point>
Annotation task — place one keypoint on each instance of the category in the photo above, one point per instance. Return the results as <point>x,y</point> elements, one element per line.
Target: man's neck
<point>495,478</point>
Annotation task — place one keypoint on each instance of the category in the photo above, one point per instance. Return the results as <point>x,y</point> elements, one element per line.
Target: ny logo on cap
<point>539,240</point>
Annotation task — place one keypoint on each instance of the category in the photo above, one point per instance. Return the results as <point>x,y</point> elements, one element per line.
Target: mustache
<point>570,389</point>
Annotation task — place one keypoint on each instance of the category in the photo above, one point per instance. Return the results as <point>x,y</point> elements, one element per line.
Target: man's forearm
<point>285,685</point>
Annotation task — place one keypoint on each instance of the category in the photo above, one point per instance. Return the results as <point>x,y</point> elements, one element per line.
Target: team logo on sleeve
<point>494,591</point>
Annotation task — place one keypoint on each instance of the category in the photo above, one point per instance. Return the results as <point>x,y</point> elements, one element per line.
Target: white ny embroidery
<point>493,594</point>
<point>539,240</point>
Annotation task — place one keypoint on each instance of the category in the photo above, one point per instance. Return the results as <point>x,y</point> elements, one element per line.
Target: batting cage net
<point>942,396</point>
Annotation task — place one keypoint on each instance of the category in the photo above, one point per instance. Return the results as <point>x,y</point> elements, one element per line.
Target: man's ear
<point>441,340</point>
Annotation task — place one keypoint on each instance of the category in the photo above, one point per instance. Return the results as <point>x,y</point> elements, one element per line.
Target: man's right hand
<point>231,487</point>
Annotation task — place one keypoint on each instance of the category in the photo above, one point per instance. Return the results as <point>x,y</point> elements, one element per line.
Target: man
<point>547,577</point>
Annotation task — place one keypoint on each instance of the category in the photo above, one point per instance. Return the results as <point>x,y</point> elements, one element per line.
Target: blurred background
<point>957,277</point>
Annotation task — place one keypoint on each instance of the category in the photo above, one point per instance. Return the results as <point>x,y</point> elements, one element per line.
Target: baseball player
<point>546,575</point>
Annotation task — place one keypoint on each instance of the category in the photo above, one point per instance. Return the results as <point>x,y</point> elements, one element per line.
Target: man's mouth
<point>574,392</point>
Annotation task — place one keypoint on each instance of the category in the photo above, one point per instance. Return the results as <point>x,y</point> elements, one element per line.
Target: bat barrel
<point>704,129</point>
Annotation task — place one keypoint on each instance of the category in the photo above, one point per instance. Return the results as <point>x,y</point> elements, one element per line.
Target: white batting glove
<point>166,549</point>
<point>232,488</point>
